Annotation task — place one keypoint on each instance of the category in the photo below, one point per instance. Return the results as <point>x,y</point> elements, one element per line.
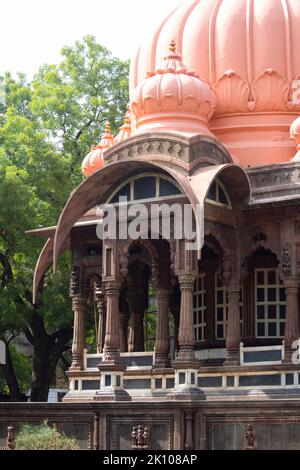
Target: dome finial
<point>125,130</point>
<point>172,47</point>
<point>107,128</point>
<point>94,161</point>
<point>127,120</point>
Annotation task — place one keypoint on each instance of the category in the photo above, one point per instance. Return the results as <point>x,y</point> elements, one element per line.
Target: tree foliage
<point>46,128</point>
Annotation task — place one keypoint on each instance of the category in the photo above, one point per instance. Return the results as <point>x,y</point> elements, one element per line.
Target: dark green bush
<point>43,437</point>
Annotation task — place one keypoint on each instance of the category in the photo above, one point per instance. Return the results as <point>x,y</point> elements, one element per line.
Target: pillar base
<point>76,368</point>
<point>233,358</point>
<point>188,394</point>
<point>111,381</point>
<point>186,363</point>
<point>162,363</point>
<point>186,384</point>
<point>288,354</point>
<point>112,395</point>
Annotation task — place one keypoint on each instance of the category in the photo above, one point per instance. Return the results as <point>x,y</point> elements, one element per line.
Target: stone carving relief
<point>153,432</point>
<point>270,92</point>
<point>149,147</point>
<point>140,437</point>
<point>232,93</point>
<point>250,437</point>
<point>209,152</point>
<point>75,281</point>
<point>205,149</point>
<point>286,259</point>
<point>265,179</point>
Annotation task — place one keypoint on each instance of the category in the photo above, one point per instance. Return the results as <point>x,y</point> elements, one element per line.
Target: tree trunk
<point>47,351</point>
<point>10,377</point>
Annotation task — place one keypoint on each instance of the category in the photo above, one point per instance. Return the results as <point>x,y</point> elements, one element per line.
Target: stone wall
<point>215,424</point>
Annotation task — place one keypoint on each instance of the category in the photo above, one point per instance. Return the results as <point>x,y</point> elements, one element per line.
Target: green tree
<point>46,128</point>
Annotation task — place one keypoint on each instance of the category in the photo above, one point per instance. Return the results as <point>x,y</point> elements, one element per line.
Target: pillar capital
<point>234,291</point>
<point>187,280</point>
<point>112,286</point>
<point>162,294</point>
<point>291,282</point>
<point>79,302</point>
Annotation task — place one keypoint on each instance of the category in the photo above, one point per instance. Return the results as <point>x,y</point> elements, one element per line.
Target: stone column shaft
<point>136,341</point>
<point>162,338</point>
<point>233,337</point>
<point>79,309</point>
<point>112,336</point>
<point>100,302</point>
<point>292,317</point>
<point>124,320</point>
<point>186,337</point>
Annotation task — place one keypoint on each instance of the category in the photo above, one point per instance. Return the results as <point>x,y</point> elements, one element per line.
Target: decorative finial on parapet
<point>125,130</point>
<point>107,128</point>
<point>172,47</point>
<point>127,120</point>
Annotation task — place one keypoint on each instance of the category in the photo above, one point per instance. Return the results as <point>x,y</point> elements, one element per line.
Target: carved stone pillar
<point>291,333</point>
<point>175,309</point>
<point>100,303</point>
<point>112,335</point>
<point>162,338</point>
<point>233,337</point>
<point>111,368</point>
<point>124,320</point>
<point>186,337</point>
<point>186,365</point>
<point>137,305</point>
<point>79,306</point>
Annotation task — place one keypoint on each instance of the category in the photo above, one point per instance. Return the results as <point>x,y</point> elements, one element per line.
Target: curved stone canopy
<point>94,189</point>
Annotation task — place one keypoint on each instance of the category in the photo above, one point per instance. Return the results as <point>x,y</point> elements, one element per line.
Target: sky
<point>32,32</point>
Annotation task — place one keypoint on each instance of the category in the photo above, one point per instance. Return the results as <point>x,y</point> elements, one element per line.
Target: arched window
<point>218,195</point>
<point>146,187</point>
<point>270,303</point>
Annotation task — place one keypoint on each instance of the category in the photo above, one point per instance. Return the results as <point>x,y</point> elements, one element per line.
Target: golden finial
<point>172,47</point>
<point>107,128</point>
<point>127,121</point>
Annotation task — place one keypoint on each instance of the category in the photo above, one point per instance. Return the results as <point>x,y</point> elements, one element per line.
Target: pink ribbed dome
<point>248,51</point>
<point>173,98</point>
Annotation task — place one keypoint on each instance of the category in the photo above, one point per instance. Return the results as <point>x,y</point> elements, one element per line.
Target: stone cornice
<point>275,183</point>
<point>198,150</point>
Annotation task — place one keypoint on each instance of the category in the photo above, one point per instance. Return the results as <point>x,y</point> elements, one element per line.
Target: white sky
<point>32,32</point>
